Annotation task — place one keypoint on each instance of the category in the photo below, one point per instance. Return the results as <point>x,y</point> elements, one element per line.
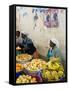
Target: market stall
<point>30,70</point>
<point>40,51</point>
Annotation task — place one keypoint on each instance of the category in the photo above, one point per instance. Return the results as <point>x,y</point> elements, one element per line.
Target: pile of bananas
<point>26,79</point>
<point>54,63</point>
<point>52,75</point>
<point>35,65</point>
<point>55,70</point>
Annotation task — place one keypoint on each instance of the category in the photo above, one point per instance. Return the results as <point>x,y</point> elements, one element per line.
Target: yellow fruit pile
<point>26,79</point>
<point>54,64</point>
<point>35,65</point>
<point>55,70</point>
<point>52,75</point>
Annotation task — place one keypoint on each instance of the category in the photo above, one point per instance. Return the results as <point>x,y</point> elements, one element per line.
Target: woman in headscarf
<point>54,50</point>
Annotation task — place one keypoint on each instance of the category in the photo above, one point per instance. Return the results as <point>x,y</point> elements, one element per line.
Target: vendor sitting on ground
<point>28,46</point>
<point>54,50</point>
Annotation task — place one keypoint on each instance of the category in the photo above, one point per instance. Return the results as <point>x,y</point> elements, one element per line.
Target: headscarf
<point>55,41</point>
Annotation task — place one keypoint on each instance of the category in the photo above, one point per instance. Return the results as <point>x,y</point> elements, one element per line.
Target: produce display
<point>36,65</point>
<point>19,67</point>
<point>52,75</point>
<point>26,79</point>
<point>23,57</point>
<point>54,64</point>
<point>47,71</point>
<point>55,70</point>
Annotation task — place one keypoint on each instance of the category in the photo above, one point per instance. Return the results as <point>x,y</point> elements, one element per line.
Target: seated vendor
<point>54,50</point>
<point>18,43</point>
<point>28,46</point>
<point>18,39</point>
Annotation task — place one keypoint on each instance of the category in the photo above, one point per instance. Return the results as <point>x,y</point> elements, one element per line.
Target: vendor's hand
<point>25,48</point>
<point>53,59</point>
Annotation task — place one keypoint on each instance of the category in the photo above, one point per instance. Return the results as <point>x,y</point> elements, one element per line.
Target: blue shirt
<point>54,53</point>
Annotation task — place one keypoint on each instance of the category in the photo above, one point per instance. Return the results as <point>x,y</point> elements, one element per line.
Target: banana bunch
<point>49,75</point>
<point>54,70</point>
<point>60,74</point>
<point>61,68</point>
<point>55,76</point>
<point>52,75</point>
<point>54,64</point>
<point>55,59</point>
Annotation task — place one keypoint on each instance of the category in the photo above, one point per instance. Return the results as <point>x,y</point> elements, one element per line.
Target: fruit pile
<point>55,70</point>
<point>54,63</point>
<point>36,65</point>
<point>26,79</point>
<point>50,71</point>
<point>19,67</point>
<point>23,57</point>
<point>52,75</point>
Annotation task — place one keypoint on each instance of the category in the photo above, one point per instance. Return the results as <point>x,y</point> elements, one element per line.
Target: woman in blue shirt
<point>54,50</point>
